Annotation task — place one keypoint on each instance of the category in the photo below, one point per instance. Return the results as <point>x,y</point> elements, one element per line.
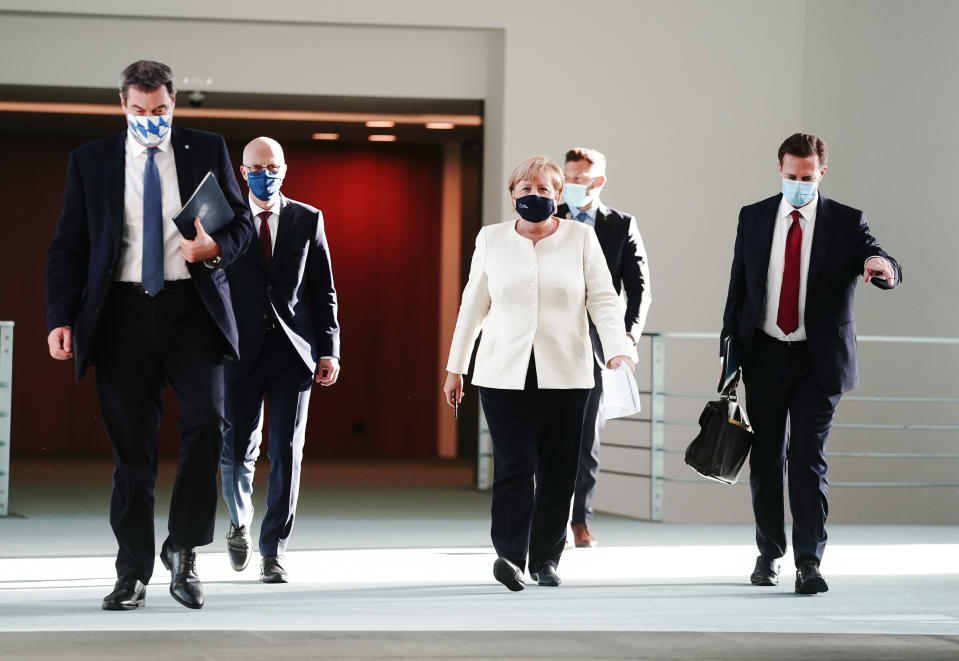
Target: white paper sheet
<point>620,393</point>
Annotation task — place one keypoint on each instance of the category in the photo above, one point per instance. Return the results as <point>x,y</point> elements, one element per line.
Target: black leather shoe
<point>766,571</point>
<point>545,575</point>
<point>128,593</point>
<point>271,571</point>
<point>808,578</point>
<point>185,585</point>
<point>508,574</point>
<point>239,546</point>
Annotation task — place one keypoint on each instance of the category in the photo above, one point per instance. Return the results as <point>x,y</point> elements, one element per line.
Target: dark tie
<point>151,277</point>
<point>582,216</point>
<point>266,240</point>
<point>788,317</point>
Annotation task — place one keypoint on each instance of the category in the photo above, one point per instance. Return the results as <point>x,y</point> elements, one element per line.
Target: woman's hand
<point>616,361</point>
<point>453,388</point>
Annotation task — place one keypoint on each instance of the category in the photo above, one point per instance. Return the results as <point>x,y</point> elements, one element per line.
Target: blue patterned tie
<point>151,278</point>
<point>582,216</point>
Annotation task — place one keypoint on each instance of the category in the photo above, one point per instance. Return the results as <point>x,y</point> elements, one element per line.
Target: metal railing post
<point>6,405</point>
<point>657,426</point>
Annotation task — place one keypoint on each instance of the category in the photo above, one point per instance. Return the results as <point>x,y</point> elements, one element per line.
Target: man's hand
<point>60,343</point>
<point>201,247</point>
<point>878,267</point>
<point>327,371</point>
<point>616,361</point>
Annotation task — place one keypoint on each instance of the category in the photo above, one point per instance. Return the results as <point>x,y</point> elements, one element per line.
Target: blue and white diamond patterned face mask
<point>149,130</point>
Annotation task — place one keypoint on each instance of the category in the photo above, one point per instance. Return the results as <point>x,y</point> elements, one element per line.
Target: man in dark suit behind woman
<point>618,234</point>
<point>127,293</point>
<point>797,259</point>
<point>285,306</point>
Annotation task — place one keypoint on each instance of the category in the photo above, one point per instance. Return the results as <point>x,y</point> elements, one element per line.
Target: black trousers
<point>143,343</point>
<point>588,471</point>
<point>535,436</point>
<point>280,376</point>
<point>791,415</point>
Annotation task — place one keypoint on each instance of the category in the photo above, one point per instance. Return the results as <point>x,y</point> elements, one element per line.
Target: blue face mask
<point>264,185</point>
<point>799,193</point>
<point>535,208</point>
<point>575,195</point>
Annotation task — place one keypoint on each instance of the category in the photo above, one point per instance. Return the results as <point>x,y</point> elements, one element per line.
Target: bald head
<point>263,168</point>
<point>263,151</point>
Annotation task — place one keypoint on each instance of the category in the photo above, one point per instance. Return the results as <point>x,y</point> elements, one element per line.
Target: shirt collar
<point>807,211</point>
<point>136,148</point>
<point>256,209</point>
<point>591,212</point>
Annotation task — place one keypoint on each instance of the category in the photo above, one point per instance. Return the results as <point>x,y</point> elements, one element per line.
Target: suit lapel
<point>820,244</point>
<point>183,157</point>
<point>116,190</point>
<point>767,218</point>
<point>283,230</point>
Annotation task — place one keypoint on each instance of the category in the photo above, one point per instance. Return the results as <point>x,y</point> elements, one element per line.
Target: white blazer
<point>535,298</point>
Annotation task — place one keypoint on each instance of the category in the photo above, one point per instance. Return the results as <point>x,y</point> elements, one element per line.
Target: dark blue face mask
<point>535,208</point>
<point>264,185</point>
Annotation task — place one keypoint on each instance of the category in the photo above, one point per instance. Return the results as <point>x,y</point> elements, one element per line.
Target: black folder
<point>208,203</point>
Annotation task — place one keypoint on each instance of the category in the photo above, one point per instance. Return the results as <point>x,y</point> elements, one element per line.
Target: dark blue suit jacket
<point>85,249</point>
<point>297,291</point>
<point>840,247</point>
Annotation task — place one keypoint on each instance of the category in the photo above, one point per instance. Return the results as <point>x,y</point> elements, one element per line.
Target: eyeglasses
<point>272,168</point>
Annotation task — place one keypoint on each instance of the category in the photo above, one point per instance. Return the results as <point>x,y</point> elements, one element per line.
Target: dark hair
<point>595,158</point>
<point>803,145</point>
<point>146,75</point>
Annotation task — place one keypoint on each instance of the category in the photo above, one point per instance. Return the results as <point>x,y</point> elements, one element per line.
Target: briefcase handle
<point>730,391</point>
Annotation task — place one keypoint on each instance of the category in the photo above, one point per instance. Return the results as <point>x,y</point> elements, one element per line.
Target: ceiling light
<point>382,138</point>
<point>326,136</point>
<point>380,123</point>
<point>440,125</point>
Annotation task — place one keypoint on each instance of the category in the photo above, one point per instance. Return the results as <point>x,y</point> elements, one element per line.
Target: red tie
<point>788,317</point>
<point>266,241</point>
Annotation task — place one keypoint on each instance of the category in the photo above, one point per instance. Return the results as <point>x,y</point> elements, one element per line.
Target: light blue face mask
<point>799,193</point>
<point>574,195</point>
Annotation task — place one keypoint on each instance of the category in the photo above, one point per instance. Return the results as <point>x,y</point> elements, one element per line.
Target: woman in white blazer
<point>531,283</point>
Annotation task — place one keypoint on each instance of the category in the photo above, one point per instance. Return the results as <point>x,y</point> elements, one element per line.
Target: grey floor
<point>393,561</point>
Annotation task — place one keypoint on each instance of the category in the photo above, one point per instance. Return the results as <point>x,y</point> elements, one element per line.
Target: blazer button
<point>532,285</point>
<point>532,267</point>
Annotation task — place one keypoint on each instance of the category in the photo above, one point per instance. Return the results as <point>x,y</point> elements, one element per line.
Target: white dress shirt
<point>777,262</point>
<point>527,297</point>
<point>131,246</point>
<point>273,221</point>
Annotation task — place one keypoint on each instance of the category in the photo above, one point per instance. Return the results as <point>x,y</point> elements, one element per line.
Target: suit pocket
<point>847,329</point>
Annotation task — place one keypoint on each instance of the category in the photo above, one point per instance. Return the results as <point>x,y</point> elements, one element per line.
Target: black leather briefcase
<point>725,437</point>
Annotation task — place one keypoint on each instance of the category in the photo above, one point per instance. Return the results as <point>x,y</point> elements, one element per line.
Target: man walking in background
<point>585,173</point>
<point>285,306</point>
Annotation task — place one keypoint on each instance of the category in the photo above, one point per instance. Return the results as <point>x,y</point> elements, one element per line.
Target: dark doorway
<point>380,202</point>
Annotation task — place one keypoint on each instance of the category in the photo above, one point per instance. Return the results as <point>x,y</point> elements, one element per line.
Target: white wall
<point>689,100</point>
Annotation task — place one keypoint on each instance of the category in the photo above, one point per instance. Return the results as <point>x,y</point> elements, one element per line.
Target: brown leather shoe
<point>583,537</point>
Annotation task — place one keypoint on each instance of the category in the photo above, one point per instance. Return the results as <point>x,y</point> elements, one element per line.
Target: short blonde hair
<point>534,166</point>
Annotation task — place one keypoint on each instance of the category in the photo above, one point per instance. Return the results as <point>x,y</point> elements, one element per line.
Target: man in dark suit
<point>127,293</point>
<point>285,306</point>
<point>585,172</point>
<point>797,259</point>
